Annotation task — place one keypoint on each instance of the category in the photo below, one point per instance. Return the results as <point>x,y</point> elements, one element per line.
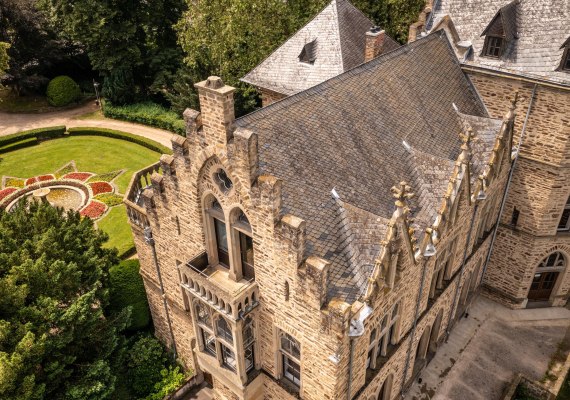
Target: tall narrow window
<point>286,289</point>
<point>224,330</point>
<point>382,342</point>
<point>248,343</point>
<point>228,357</point>
<point>291,356</point>
<point>246,250</point>
<point>222,242</point>
<point>564,224</point>
<point>209,341</point>
<point>515,217</point>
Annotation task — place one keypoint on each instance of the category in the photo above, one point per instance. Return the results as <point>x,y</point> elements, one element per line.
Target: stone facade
<point>252,333</point>
<point>539,190</point>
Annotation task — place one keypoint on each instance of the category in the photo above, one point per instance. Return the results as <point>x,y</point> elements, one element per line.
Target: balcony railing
<point>213,284</point>
<point>133,199</point>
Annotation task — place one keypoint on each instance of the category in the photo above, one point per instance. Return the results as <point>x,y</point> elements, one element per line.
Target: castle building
<point>339,38</point>
<point>323,247</point>
<point>523,46</point>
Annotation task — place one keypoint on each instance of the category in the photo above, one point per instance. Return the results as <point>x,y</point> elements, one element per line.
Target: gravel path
<point>12,123</point>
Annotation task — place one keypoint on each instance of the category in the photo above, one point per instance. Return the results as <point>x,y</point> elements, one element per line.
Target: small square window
<point>493,46</point>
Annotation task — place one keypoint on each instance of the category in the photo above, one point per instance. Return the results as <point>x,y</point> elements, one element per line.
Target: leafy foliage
<point>55,338</point>
<point>148,114</point>
<point>171,380</point>
<point>127,290</point>
<point>62,91</point>
<point>4,58</point>
<point>145,360</point>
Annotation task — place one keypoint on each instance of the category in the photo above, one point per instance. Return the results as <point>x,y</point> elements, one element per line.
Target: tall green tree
<point>4,58</point>
<point>56,341</point>
<point>125,38</point>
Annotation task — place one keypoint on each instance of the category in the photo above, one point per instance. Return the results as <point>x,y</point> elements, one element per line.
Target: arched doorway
<point>545,277</point>
<point>435,330</point>
<point>385,391</point>
<point>421,351</point>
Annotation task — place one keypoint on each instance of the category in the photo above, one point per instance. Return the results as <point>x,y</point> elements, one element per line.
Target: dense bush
<point>172,379</point>
<point>149,144</point>
<point>19,145</point>
<point>127,290</point>
<point>145,361</point>
<point>148,114</point>
<point>40,134</point>
<point>62,91</point>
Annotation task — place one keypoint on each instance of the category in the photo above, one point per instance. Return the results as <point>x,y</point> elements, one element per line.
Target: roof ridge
<point>354,71</point>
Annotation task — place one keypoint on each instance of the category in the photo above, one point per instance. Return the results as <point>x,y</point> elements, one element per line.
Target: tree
<point>56,340</point>
<point>230,37</point>
<point>37,51</point>
<point>4,58</point>
<point>130,42</point>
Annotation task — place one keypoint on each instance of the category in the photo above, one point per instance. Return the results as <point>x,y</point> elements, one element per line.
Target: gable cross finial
<point>402,193</point>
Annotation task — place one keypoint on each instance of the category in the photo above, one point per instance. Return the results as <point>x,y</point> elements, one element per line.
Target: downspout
<point>150,240</point>
<point>413,332</point>
<point>456,295</point>
<point>510,178</point>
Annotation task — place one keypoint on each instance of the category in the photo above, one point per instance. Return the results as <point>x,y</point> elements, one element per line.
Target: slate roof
<point>542,27</point>
<point>340,33</point>
<point>347,134</point>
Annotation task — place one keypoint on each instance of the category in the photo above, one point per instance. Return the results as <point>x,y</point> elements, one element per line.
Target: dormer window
<point>501,30</point>
<point>493,46</point>
<point>309,53</point>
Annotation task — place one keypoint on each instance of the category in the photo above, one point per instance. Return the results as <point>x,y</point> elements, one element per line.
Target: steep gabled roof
<point>541,26</point>
<point>347,133</point>
<point>339,36</point>
<point>506,19</point>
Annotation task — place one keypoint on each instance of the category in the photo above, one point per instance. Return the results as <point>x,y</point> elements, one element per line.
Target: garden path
<point>12,123</point>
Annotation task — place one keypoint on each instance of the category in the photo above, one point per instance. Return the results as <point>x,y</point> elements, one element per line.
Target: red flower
<point>94,209</point>
<point>6,192</point>
<point>101,187</point>
<point>80,176</point>
<point>43,178</point>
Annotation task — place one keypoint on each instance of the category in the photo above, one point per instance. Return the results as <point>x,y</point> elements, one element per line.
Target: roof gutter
<point>509,180</point>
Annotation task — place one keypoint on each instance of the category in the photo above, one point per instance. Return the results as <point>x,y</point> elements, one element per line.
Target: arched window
<point>218,230</point>
<point>383,338</point>
<point>203,315</point>
<point>564,224</point>
<point>546,276</point>
<point>224,330</point>
<point>243,236</point>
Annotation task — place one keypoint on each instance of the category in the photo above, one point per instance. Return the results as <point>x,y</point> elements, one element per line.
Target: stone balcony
<point>213,284</point>
<point>133,198</point>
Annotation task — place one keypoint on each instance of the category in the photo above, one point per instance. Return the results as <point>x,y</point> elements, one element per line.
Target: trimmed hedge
<point>147,114</point>
<point>129,137</point>
<point>127,290</point>
<point>19,145</point>
<point>40,134</point>
<point>62,90</point>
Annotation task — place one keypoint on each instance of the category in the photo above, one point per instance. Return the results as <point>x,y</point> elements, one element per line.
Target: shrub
<point>145,361</point>
<point>171,380</point>
<point>110,199</point>
<point>39,134</point>
<point>149,144</point>
<point>19,145</point>
<point>148,114</point>
<point>62,91</point>
<point>127,290</point>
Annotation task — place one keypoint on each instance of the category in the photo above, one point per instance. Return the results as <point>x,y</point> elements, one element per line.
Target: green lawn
<point>117,227</point>
<point>91,154</point>
<point>95,154</point>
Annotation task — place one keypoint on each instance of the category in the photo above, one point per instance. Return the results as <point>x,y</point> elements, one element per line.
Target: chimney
<point>217,109</point>
<point>375,38</point>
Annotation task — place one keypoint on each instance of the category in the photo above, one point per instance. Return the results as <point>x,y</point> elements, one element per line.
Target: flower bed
<point>6,192</point>
<point>41,178</point>
<point>94,209</point>
<point>14,182</point>
<point>101,187</point>
<point>80,176</point>
<point>111,199</point>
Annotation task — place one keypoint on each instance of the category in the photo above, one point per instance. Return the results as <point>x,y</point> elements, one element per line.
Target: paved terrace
<point>12,123</point>
<point>486,350</point>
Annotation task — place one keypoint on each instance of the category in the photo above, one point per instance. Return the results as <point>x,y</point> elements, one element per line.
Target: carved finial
<point>402,193</point>
<point>511,113</point>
